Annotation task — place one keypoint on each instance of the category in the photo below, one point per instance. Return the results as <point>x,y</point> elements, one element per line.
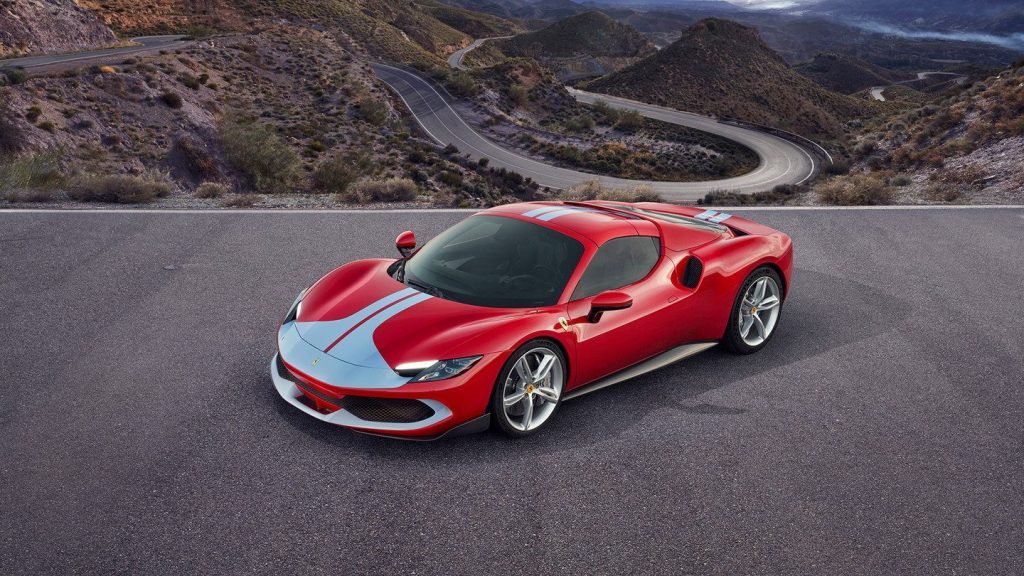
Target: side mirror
<point>606,301</point>
<point>406,243</point>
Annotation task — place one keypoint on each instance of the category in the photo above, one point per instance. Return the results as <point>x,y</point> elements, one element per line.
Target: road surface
<point>782,162</point>
<point>455,60</point>
<point>879,433</point>
<point>877,91</point>
<point>144,44</point>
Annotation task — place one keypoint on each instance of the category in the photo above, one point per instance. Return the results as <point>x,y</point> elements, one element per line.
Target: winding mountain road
<point>782,162</point>
<point>141,44</point>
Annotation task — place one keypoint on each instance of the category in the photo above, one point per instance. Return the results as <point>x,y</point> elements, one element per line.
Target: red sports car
<point>519,308</point>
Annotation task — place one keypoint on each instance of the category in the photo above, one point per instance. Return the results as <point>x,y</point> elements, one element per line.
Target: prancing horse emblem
<point>564,324</point>
<point>316,361</point>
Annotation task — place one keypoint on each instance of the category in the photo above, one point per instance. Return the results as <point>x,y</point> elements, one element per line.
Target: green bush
<point>257,152</point>
<point>373,111</point>
<point>519,94</point>
<point>33,113</point>
<point>15,75</point>
<point>335,175</point>
<point>120,189</point>
<point>580,123</point>
<point>171,99</point>
<point>32,177</point>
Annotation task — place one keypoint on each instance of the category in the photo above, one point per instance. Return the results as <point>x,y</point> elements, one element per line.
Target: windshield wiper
<point>432,290</point>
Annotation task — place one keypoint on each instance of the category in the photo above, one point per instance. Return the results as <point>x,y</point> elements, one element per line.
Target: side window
<point>619,262</point>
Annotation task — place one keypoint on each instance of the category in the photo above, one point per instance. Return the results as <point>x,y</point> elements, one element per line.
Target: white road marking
<point>285,211</point>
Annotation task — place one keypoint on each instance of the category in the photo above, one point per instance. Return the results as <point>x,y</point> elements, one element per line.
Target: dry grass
<point>855,190</point>
<point>390,190</point>
<point>212,190</point>
<point>592,190</point>
<point>120,189</point>
<point>240,201</point>
<point>30,178</point>
<point>255,150</point>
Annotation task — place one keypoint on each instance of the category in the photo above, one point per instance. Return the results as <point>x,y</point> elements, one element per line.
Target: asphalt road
<point>455,59</point>
<point>879,433</point>
<point>782,162</point>
<point>143,44</point>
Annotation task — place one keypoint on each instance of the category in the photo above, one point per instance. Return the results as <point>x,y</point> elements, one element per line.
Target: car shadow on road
<point>824,313</point>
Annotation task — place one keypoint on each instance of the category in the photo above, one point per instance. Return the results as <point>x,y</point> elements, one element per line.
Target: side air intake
<point>691,274</point>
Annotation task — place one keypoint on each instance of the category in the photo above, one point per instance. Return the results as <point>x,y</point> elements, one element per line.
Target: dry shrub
<point>592,190</point>
<point>120,189</point>
<point>198,159</point>
<point>856,190</point>
<point>390,190</point>
<point>240,201</point>
<point>212,190</point>
<point>951,185</point>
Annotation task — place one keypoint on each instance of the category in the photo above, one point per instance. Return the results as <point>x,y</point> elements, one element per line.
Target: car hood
<point>360,315</point>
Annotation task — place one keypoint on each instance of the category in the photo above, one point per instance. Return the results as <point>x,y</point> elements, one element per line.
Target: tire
<point>536,393</point>
<point>758,332</point>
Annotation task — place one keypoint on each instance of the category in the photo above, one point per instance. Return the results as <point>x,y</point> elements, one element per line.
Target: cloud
<point>1012,42</point>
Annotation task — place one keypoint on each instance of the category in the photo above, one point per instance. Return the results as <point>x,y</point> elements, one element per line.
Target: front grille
<point>398,410</point>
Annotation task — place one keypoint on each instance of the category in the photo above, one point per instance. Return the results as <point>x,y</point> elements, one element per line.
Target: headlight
<point>293,312</point>
<point>440,370</point>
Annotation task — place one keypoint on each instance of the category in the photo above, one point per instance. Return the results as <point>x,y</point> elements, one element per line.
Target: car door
<point>620,338</point>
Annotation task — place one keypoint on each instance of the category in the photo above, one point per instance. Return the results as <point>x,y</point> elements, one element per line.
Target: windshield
<point>494,261</point>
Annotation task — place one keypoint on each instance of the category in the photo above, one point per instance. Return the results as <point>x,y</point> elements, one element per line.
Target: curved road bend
<point>455,60</point>
<point>782,162</point>
<point>144,44</point>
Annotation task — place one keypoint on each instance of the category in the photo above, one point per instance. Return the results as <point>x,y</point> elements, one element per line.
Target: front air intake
<point>691,274</point>
<point>397,410</point>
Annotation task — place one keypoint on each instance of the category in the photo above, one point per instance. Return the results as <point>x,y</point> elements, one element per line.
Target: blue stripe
<point>706,214</point>
<point>720,218</point>
<point>358,347</point>
<point>563,212</point>
<point>539,211</point>
<point>322,334</point>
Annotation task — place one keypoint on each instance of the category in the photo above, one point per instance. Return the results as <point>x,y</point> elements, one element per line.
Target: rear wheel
<point>755,313</point>
<point>529,388</point>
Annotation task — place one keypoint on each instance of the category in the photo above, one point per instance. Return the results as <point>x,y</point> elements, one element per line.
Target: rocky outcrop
<point>48,26</point>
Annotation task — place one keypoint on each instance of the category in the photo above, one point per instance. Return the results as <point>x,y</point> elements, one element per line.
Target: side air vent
<point>691,274</point>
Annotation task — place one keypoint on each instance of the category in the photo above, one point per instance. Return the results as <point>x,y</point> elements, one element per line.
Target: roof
<point>579,220</point>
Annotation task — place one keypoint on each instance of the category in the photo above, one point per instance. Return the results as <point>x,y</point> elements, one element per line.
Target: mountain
<point>590,34</point>
<point>38,26</point>
<point>845,74</point>
<point>722,68</point>
<point>584,45</point>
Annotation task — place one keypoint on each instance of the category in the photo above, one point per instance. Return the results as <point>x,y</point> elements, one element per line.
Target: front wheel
<point>755,313</point>
<point>529,388</point>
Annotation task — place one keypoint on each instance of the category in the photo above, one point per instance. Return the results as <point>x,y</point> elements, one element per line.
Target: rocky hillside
<point>591,34</point>
<point>967,147</point>
<point>846,74</point>
<point>722,68</point>
<point>45,26</point>
<point>410,32</point>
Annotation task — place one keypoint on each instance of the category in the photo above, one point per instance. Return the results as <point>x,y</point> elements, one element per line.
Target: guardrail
<point>817,148</point>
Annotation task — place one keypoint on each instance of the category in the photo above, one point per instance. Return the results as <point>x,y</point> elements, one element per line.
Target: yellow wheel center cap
<point>753,310</point>
<point>529,389</point>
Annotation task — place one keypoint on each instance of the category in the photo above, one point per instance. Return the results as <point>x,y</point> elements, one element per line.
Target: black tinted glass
<point>495,261</point>
<point>618,262</point>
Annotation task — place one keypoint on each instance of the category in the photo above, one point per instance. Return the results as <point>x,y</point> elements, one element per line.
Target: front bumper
<point>288,387</point>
